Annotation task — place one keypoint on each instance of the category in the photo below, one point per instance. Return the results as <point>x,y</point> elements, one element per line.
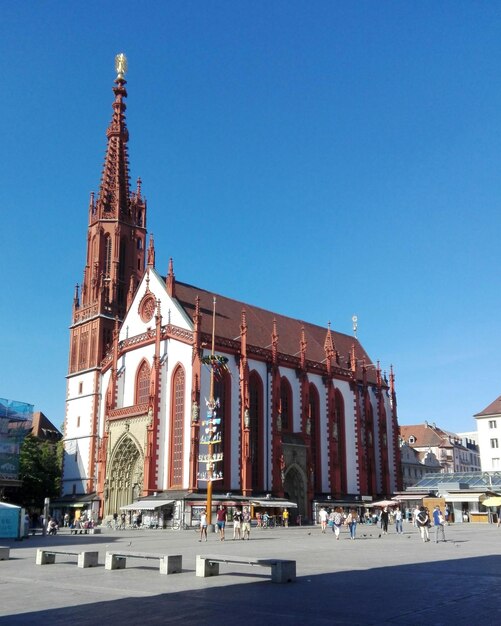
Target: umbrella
<point>384,503</point>
<point>492,501</point>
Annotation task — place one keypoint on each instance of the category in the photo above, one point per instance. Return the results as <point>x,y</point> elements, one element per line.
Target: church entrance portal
<point>125,476</point>
<point>295,489</point>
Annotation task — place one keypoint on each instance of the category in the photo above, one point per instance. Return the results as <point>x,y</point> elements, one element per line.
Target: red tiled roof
<point>260,327</point>
<point>493,409</point>
<point>425,435</point>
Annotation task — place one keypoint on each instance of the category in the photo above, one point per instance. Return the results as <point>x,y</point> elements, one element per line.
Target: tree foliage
<point>40,471</point>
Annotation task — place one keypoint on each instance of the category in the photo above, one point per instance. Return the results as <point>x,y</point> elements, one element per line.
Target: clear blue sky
<point>319,159</point>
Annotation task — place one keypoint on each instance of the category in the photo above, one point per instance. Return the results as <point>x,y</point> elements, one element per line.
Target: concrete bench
<point>169,563</point>
<point>84,559</point>
<point>282,570</point>
<point>4,553</point>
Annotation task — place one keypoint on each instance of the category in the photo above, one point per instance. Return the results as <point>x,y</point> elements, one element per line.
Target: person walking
<point>351,522</point>
<point>398,521</point>
<point>337,521</point>
<point>384,520</point>
<point>203,526</point>
<point>322,516</point>
<point>285,518</point>
<point>438,522</point>
<point>221,521</point>
<point>423,522</point>
<point>237,522</point>
<point>246,520</point>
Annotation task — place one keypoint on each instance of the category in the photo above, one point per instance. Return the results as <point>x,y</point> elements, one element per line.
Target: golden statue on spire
<point>121,65</point>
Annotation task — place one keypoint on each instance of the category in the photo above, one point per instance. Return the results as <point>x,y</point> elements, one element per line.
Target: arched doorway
<point>125,476</point>
<point>295,489</point>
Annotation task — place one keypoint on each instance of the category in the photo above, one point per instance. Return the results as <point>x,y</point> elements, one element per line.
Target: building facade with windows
<point>489,436</point>
<point>453,452</point>
<point>302,411</point>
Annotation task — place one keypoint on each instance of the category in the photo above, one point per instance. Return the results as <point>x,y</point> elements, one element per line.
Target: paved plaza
<point>389,579</point>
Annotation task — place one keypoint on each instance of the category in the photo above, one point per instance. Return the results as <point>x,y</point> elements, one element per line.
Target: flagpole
<point>211,405</point>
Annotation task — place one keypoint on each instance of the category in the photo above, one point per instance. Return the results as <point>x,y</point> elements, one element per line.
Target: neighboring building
<point>303,413</point>
<point>454,453</point>
<point>415,465</point>
<point>15,423</point>
<point>489,436</point>
<point>44,429</point>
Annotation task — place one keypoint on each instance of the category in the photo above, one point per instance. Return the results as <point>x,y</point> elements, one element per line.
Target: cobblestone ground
<point>375,579</point>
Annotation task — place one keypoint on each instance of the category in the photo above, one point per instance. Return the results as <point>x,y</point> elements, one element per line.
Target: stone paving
<point>375,579</point>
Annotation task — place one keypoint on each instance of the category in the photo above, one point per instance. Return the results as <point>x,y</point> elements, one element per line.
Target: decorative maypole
<point>212,434</point>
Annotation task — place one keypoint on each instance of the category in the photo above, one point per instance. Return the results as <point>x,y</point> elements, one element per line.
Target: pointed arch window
<point>143,384</point>
<point>177,429</point>
<point>315,445</point>
<point>256,430</point>
<point>286,404</point>
<point>107,256</point>
<point>340,438</point>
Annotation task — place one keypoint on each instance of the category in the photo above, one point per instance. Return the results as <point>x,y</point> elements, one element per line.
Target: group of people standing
<point>241,523</point>
<point>423,522</point>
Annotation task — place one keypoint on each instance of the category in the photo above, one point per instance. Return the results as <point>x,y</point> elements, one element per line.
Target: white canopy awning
<point>272,504</point>
<point>146,505</point>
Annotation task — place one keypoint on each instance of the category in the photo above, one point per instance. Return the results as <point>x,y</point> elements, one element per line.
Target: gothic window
<point>339,419</point>
<point>286,404</point>
<point>107,256</point>
<point>143,383</point>
<point>256,429</point>
<point>177,429</point>
<point>123,259</point>
<point>84,345</point>
<point>314,416</point>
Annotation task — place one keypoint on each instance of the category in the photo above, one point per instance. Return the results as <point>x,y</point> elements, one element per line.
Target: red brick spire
<point>113,197</point>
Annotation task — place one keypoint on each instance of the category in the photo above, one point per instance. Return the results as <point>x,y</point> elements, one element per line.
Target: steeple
<point>116,239</point>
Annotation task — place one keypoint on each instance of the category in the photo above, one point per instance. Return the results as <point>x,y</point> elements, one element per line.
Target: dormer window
<point>412,440</point>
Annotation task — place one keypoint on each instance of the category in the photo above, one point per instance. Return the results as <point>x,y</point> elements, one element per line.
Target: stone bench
<point>168,563</point>
<point>84,558</point>
<point>282,570</point>
<point>4,553</point>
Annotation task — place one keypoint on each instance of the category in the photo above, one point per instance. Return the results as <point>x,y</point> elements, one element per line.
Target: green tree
<point>40,471</point>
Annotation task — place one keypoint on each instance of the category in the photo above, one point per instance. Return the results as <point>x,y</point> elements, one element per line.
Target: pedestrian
<point>237,522</point>
<point>246,523</point>
<point>203,526</point>
<point>438,521</point>
<point>221,521</point>
<point>415,513</point>
<point>351,522</point>
<point>447,514</point>
<point>285,518</point>
<point>322,516</point>
<point>337,520</point>
<point>423,521</point>
<point>384,520</point>
<point>259,519</point>
<point>398,521</point>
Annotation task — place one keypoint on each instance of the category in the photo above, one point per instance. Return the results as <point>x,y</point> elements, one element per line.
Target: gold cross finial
<point>121,65</point>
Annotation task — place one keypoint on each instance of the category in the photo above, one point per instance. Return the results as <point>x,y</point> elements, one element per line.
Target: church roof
<point>260,326</point>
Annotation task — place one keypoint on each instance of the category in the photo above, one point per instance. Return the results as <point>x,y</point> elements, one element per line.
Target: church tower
<point>115,263</point>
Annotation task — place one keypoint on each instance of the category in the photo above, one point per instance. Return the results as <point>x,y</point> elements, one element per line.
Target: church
<point>173,390</point>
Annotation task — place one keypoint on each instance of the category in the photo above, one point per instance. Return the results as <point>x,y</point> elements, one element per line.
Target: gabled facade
<point>454,453</point>
<point>304,412</point>
<point>489,436</point>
